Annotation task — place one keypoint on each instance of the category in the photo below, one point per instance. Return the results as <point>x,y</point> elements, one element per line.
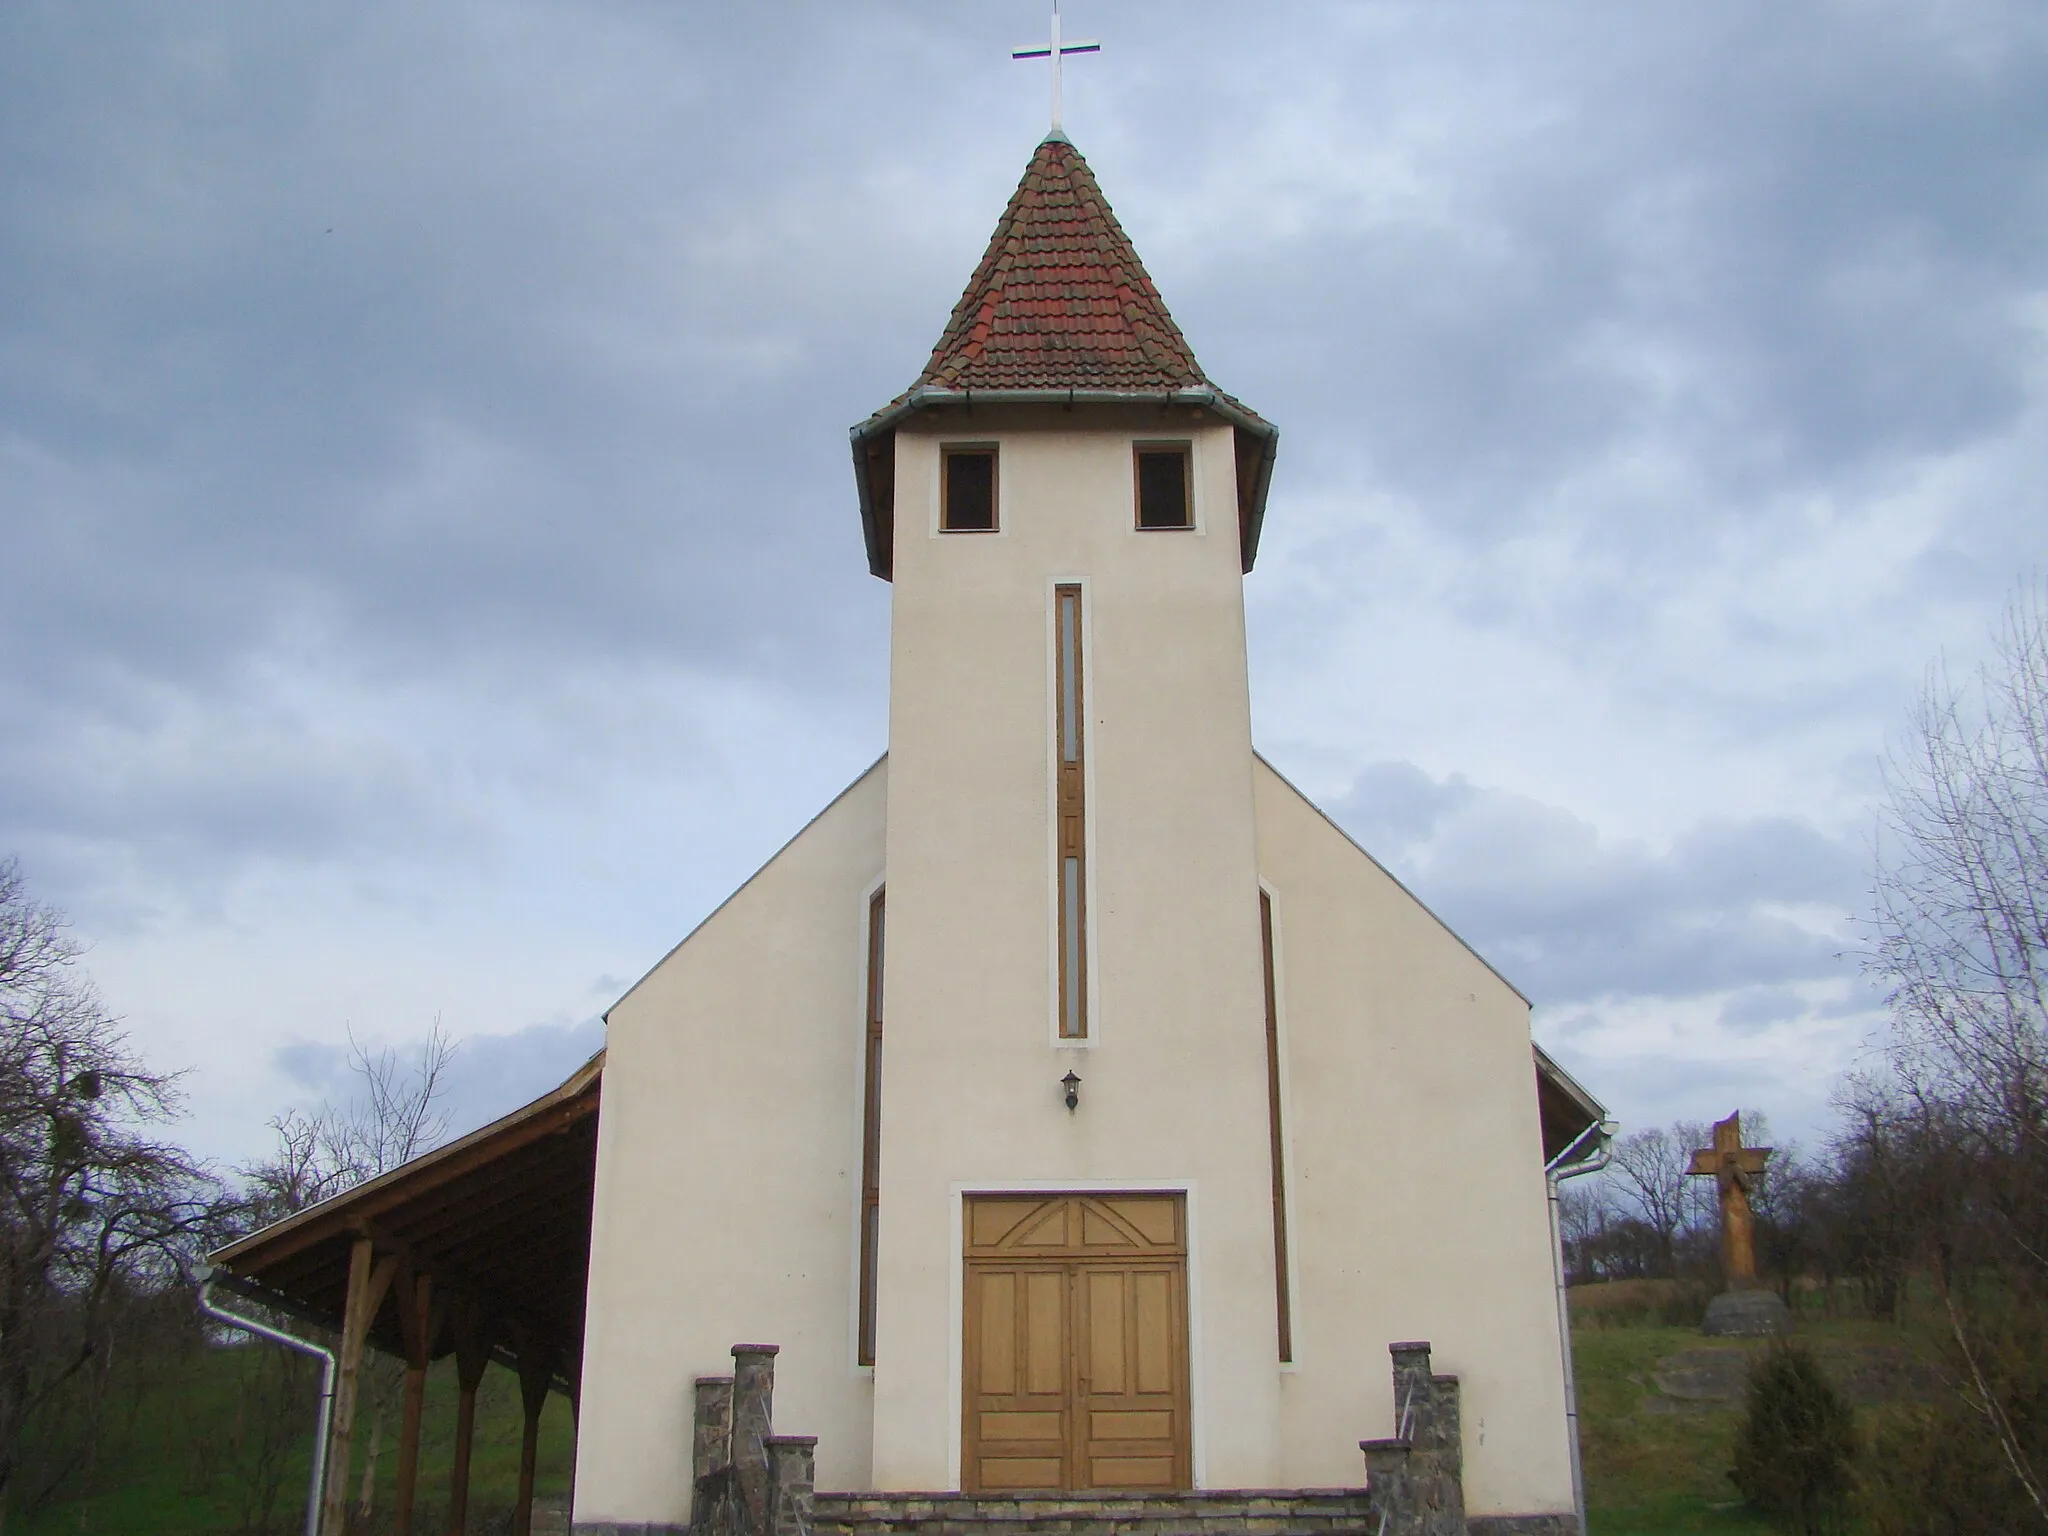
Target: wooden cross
<point>1736,1169</point>
<point>1056,51</point>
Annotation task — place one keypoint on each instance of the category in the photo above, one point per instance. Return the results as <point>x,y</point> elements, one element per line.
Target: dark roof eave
<point>502,1351</point>
<point>925,396</point>
<point>336,1210</point>
<point>1584,1111</point>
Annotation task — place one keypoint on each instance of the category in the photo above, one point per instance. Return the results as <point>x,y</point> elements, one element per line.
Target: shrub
<point>1795,1455</point>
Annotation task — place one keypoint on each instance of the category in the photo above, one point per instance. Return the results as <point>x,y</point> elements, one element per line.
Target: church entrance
<point>1075,1366</point>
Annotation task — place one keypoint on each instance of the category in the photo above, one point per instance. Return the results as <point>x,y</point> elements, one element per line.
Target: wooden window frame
<point>950,451</point>
<point>1283,1300</point>
<point>1186,451</point>
<point>871,1131</point>
<point>1070,809</point>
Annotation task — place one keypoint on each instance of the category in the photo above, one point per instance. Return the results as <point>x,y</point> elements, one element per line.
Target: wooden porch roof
<point>1568,1111</point>
<point>500,1219</point>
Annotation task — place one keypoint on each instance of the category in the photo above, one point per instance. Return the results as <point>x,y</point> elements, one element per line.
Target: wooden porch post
<point>416,1320</point>
<point>368,1279</point>
<point>536,1365</point>
<point>472,1354</point>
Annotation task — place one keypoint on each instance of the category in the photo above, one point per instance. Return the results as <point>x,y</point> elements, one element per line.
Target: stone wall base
<point>1242,1512</point>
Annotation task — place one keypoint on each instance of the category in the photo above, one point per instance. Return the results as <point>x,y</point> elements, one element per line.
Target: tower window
<point>1163,500</point>
<point>967,500</point>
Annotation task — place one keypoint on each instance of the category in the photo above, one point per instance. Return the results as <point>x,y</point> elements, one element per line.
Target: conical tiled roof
<point>1060,300</point>
<point>1060,309</point>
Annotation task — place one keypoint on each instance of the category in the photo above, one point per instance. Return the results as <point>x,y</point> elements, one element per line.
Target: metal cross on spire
<point>1057,51</point>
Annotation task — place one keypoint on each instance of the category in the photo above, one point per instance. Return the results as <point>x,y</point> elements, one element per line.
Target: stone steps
<point>1238,1512</point>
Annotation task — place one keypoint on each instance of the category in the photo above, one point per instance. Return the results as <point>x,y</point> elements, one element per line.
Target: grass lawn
<point>1652,1465</point>
<point>1659,1407</point>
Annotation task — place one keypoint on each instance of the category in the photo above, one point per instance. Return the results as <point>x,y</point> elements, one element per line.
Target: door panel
<point>1076,1343</point>
<point>1018,1415</point>
<point>998,1319</point>
<point>1134,1414</point>
<point>1105,1292</point>
<point>1154,1312</point>
<point>1045,1333</point>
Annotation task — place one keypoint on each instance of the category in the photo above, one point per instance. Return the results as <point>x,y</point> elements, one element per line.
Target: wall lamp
<point>1072,1083</point>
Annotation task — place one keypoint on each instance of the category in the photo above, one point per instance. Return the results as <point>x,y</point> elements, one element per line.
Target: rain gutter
<point>206,1275</point>
<point>1555,1172</point>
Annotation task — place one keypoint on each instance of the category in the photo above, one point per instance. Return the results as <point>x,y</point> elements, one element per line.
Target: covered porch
<point>478,1250</point>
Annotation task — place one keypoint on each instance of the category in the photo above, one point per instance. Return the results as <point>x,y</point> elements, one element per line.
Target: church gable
<point>854,818</point>
<point>1278,797</point>
<point>1415,1145</point>
<point>729,1148</point>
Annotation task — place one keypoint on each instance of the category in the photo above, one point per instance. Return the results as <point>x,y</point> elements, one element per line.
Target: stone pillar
<point>792,1468</point>
<point>753,1399</point>
<point>710,1441</point>
<point>1418,1477</point>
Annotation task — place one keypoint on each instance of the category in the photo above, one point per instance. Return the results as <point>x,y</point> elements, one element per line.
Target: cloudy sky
<point>431,572</point>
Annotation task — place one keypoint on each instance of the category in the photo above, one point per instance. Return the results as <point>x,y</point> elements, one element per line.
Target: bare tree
<point>393,1116</point>
<point>1649,1170</point>
<point>1960,941</point>
<point>1961,926</point>
<point>93,1209</point>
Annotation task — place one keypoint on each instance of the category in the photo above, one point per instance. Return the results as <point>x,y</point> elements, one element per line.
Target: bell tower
<point>1066,506</point>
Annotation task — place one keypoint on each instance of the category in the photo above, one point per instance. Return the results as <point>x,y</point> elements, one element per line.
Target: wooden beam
<point>416,1319</point>
<point>536,1368</point>
<point>472,1354</point>
<point>369,1277</point>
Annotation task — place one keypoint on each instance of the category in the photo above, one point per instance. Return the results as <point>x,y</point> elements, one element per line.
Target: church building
<point>1072,1102</point>
<point>1072,1126</point>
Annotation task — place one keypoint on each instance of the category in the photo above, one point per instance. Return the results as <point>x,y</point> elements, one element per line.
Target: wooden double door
<point>1075,1366</point>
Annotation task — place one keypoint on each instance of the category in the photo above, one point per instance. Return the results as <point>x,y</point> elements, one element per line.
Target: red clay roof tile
<point>1060,300</point>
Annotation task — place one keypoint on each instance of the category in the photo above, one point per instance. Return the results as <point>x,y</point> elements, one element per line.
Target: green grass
<point>167,1464</point>
<point>1650,1472</point>
<point>1656,1465</point>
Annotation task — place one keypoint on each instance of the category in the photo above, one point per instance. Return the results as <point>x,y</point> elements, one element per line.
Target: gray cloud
<point>421,468</point>
<point>1573,917</point>
<point>488,1075</point>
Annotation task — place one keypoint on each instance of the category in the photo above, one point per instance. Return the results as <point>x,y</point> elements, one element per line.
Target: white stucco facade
<point>1416,1192</point>
<point>728,1162</point>
<point>730,1143</point>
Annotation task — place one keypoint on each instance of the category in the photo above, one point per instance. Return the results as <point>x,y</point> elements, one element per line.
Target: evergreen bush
<point>1795,1455</point>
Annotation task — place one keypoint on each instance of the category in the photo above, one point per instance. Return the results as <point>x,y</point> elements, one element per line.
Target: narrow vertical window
<point>871,1135</point>
<point>1283,1307</point>
<point>967,488</point>
<point>1070,776</point>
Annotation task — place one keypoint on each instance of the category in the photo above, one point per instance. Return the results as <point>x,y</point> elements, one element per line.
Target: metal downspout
<point>1555,1173</point>
<point>204,1274</point>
